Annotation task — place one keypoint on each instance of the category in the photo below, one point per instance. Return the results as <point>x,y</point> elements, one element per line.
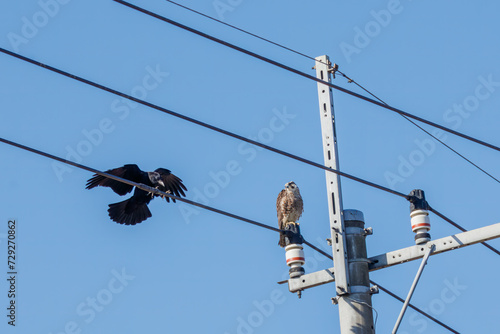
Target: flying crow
<point>135,209</point>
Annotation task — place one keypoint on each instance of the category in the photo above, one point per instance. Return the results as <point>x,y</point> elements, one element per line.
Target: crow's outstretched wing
<point>129,172</point>
<point>172,184</point>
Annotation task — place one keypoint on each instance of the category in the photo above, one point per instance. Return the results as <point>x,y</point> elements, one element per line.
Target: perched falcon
<point>289,206</point>
<point>135,209</point>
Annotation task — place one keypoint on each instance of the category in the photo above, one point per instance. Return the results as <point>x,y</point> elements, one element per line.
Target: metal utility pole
<point>355,308</point>
<point>346,227</point>
<point>351,263</point>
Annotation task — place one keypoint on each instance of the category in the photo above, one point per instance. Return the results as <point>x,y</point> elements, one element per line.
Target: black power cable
<point>305,75</point>
<point>138,185</point>
<point>192,120</point>
<point>448,220</point>
<point>422,129</point>
<point>349,80</point>
<point>158,192</point>
<point>197,122</point>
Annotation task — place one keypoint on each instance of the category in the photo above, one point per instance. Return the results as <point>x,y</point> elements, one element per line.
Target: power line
<point>341,73</point>
<point>228,133</point>
<point>415,308</point>
<point>150,189</point>
<point>370,93</point>
<point>159,192</point>
<point>243,30</point>
<point>138,185</point>
<point>206,125</point>
<point>211,127</point>
<point>338,71</point>
<point>203,124</point>
<point>448,220</point>
<point>421,128</point>
<point>303,74</point>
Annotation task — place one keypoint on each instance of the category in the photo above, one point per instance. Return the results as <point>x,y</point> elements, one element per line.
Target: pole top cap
<point>353,215</point>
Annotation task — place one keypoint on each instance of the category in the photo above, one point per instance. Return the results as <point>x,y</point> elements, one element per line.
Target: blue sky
<point>186,270</point>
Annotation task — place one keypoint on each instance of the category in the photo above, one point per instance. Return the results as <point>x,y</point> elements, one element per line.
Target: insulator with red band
<point>420,223</point>
<point>295,259</point>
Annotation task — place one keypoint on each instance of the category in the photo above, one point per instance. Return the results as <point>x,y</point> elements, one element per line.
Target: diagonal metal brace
<point>428,252</point>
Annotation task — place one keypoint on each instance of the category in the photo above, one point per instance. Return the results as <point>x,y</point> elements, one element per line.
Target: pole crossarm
<point>441,245</point>
<point>403,255</point>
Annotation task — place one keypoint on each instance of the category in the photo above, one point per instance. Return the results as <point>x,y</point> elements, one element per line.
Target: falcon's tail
<point>129,212</point>
<point>282,241</point>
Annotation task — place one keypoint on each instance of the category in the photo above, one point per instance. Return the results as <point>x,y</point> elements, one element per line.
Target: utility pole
<point>346,227</point>
<point>351,263</point>
<point>355,308</point>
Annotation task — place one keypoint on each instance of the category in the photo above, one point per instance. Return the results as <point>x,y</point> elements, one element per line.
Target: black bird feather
<point>135,209</point>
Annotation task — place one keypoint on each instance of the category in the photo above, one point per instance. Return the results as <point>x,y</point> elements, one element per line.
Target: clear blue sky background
<point>186,270</point>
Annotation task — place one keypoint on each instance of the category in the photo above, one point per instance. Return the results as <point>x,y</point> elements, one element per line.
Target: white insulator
<point>420,221</point>
<point>420,224</point>
<point>295,255</point>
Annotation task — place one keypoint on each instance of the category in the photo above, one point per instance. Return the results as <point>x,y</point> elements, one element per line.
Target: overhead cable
<point>250,141</point>
<point>308,76</point>
<point>448,220</point>
<point>198,122</point>
<point>422,129</point>
<point>138,185</point>
<point>415,308</point>
<point>244,31</point>
<point>162,193</point>
<point>349,80</point>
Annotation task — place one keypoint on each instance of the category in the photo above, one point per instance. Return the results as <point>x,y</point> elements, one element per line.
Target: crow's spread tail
<point>129,212</point>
